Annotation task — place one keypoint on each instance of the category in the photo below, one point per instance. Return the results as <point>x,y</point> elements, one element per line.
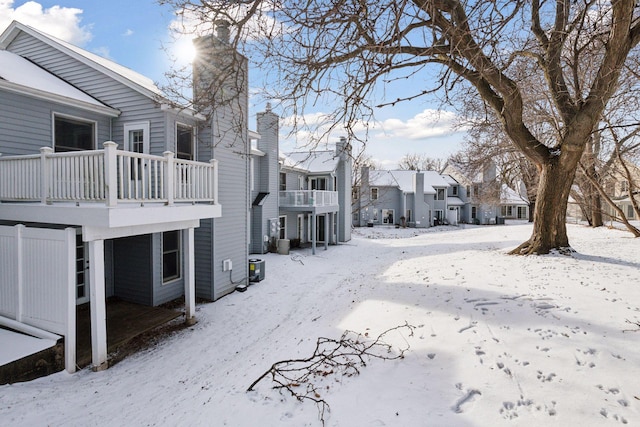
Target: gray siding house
<point>147,202</point>
<point>302,197</point>
<point>418,199</point>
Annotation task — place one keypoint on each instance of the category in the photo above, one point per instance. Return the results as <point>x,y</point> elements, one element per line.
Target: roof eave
<point>47,96</point>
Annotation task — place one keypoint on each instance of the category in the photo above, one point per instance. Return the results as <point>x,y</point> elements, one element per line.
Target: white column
<point>313,233</point>
<point>111,173</point>
<point>327,227</point>
<point>189,276</point>
<point>70,335</point>
<point>98,305</point>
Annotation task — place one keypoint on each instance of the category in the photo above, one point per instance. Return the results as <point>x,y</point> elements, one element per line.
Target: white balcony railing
<point>108,176</point>
<point>315,198</point>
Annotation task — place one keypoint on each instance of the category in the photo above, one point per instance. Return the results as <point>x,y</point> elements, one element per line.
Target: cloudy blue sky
<point>134,32</point>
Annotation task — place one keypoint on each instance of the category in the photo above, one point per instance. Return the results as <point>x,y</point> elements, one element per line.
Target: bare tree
<point>323,50</point>
<point>415,161</point>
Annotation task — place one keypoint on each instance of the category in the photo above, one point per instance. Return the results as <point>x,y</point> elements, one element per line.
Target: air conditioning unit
<point>256,270</point>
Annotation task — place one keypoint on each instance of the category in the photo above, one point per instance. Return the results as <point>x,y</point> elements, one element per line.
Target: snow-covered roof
<point>403,179</point>
<point>450,180</point>
<point>382,178</point>
<point>36,81</point>
<point>509,196</point>
<point>454,201</point>
<point>119,72</point>
<point>312,161</point>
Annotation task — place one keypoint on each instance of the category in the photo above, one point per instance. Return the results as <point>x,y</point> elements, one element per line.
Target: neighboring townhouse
<point>418,199</point>
<point>480,193</point>
<point>514,204</point>
<point>301,197</point>
<point>107,190</point>
<point>617,186</point>
<point>315,196</point>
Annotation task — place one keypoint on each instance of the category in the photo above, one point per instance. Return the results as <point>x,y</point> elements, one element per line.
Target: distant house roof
<point>313,162</point>
<point>118,72</point>
<point>23,76</point>
<point>403,179</point>
<point>509,196</point>
<point>454,201</point>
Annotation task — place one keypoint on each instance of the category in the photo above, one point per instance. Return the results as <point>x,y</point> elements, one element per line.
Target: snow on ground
<point>499,340</point>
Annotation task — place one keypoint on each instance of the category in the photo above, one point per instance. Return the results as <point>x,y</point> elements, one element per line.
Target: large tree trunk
<point>550,215</point>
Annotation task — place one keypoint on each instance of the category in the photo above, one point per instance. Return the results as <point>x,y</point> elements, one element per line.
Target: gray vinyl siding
<point>134,106</point>
<point>164,292</point>
<point>26,123</point>
<point>132,269</point>
<point>388,198</point>
<point>230,230</point>
<point>203,244</point>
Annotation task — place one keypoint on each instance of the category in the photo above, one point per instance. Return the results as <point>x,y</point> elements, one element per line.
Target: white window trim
<point>193,139</point>
<point>377,193</point>
<point>180,252</point>
<point>131,126</point>
<point>71,117</point>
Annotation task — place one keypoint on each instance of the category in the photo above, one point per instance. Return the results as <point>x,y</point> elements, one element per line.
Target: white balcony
<point>111,179</point>
<point>315,200</point>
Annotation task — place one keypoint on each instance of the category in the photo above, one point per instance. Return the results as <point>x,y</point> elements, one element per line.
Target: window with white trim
<point>185,142</point>
<point>374,193</point>
<point>171,253</point>
<point>72,134</point>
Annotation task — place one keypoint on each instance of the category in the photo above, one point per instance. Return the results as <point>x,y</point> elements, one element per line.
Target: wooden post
<point>98,306</point>
<point>111,172</point>
<point>189,276</point>
<point>169,177</point>
<point>44,178</point>
<point>214,180</point>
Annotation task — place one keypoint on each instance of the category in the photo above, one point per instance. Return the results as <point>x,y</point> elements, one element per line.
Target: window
<point>300,183</point>
<point>454,190</point>
<point>73,134</point>
<point>476,190</point>
<point>506,210</point>
<point>408,215</point>
<point>355,192</point>
<point>474,212</point>
<point>318,183</point>
<point>375,215</point>
<point>624,186</point>
<point>170,255</point>
<point>630,212</point>
<point>283,181</point>
<point>374,193</point>
<point>184,142</point>
<point>468,191</point>
<point>440,194</point>
<point>282,225</point>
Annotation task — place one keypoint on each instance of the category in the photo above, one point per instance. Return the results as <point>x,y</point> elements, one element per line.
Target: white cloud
<point>61,22</point>
<point>128,33</point>
<point>426,124</point>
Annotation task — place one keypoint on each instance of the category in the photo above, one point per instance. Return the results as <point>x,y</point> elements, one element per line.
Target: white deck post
<point>214,180</point>
<point>169,177</point>
<point>313,233</point>
<point>98,305</point>
<point>18,236</point>
<point>189,276</point>
<point>70,334</point>
<point>44,170</point>
<point>111,172</point>
<point>326,231</point>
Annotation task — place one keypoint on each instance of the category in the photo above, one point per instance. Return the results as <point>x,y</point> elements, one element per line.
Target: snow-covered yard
<point>499,340</point>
